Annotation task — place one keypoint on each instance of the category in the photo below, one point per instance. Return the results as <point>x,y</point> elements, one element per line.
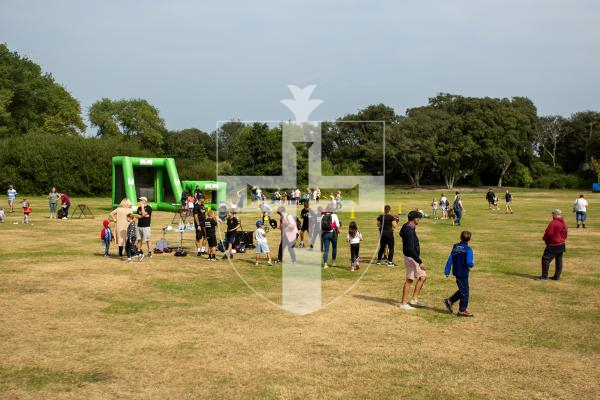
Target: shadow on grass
<point>393,302</point>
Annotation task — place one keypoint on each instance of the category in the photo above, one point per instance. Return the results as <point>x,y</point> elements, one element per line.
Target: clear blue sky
<point>200,61</point>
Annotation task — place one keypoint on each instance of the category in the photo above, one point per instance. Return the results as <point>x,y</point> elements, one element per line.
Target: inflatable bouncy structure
<point>157,180</point>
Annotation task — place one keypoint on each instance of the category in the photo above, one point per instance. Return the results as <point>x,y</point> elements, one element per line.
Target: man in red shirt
<point>555,238</point>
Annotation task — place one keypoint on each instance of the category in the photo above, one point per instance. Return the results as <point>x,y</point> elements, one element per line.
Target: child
<point>461,261</point>
<point>106,236</point>
<point>130,246</point>
<point>210,226</point>
<point>1,215</point>
<point>434,208</point>
<point>354,237</point>
<point>26,210</point>
<point>262,246</point>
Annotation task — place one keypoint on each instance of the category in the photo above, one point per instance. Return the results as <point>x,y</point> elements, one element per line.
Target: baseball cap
<point>143,198</point>
<point>259,223</point>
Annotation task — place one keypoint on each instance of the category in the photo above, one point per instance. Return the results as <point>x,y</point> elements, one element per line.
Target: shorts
<point>144,233</point>
<point>262,248</point>
<point>580,216</point>
<point>304,225</point>
<point>413,270</point>
<point>11,202</point>
<point>230,238</point>
<point>200,234</point>
<point>212,241</point>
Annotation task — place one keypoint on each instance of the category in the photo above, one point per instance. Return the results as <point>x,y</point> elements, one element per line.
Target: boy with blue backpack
<point>461,261</point>
<point>106,236</point>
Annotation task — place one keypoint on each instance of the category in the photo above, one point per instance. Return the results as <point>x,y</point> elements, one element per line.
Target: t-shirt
<point>304,214</point>
<point>210,225</point>
<point>231,224</point>
<point>580,205</point>
<point>53,197</point>
<point>354,239</point>
<point>200,211</point>
<point>144,222</point>
<point>260,235</point>
<point>385,220</point>
<point>12,194</point>
<point>65,200</point>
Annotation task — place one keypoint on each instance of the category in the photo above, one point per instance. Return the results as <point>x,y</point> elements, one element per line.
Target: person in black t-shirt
<point>386,224</point>
<point>144,232</point>
<point>304,215</point>
<point>210,229</point>
<point>198,194</point>
<point>199,218</point>
<point>232,226</point>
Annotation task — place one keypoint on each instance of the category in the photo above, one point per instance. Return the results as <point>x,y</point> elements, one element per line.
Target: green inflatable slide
<point>157,179</point>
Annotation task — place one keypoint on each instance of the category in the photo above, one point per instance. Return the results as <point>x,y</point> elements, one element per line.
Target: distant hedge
<point>77,165</point>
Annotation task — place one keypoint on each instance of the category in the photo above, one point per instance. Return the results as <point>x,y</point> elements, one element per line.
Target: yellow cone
<point>352,216</point>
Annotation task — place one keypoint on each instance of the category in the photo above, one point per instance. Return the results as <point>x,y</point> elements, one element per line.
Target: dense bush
<point>76,165</point>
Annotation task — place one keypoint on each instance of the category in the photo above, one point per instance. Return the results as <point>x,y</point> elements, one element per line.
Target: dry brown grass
<point>75,325</point>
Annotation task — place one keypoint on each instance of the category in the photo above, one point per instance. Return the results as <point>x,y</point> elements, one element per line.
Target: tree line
<point>452,140</point>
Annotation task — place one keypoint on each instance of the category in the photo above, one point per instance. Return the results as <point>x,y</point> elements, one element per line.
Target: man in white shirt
<point>580,208</point>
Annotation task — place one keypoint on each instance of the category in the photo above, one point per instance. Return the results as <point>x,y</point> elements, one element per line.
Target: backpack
<point>326,222</point>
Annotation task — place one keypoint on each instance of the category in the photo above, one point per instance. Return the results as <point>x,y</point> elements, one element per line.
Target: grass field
<point>75,325</point>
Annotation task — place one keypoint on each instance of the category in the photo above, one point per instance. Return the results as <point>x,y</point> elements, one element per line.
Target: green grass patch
<point>36,378</point>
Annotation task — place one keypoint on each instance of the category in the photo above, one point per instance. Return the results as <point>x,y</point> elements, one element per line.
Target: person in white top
<point>580,208</point>
<point>354,237</point>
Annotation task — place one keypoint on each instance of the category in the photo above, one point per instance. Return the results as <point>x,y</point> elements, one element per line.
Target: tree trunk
<point>449,178</point>
<point>504,170</point>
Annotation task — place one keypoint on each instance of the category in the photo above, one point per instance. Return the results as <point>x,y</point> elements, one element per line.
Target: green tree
<point>32,102</point>
<point>134,118</point>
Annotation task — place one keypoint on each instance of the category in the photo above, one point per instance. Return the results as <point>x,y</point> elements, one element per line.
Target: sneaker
<point>64,217</point>
<point>203,250</point>
<point>357,267</point>
<point>378,262</point>
<point>416,303</point>
<point>140,256</point>
<point>270,264</point>
<point>333,264</point>
<point>465,313</point>
<point>325,266</point>
<point>149,254</point>
<point>541,278</point>
<point>554,278</point>
<point>448,306</point>
<point>256,264</point>
<point>405,307</point>
<point>391,264</point>
<point>127,261</point>
<point>224,256</point>
<point>214,259</point>
<point>198,254</point>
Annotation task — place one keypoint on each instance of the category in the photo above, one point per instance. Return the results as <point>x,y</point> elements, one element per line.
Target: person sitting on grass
<point>130,246</point>
<point>262,245</point>
<point>460,261</point>
<point>210,229</point>
<point>106,236</point>
<point>26,210</point>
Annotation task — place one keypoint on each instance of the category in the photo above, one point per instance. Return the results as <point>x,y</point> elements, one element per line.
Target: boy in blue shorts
<point>460,261</point>
<point>262,246</point>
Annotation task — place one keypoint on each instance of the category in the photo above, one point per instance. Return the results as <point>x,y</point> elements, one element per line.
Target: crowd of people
<point>321,227</point>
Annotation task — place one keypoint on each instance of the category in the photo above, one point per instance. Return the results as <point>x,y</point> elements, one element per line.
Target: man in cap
<point>415,269</point>
<point>555,238</point>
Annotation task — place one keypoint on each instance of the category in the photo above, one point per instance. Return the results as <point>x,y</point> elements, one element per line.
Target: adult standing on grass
<point>289,234</point>
<point>65,203</point>
<point>232,227</point>
<point>12,197</point>
<point>119,216</point>
<point>490,196</point>
<point>330,229</point>
<point>53,200</point>
<point>555,238</point>
<point>386,223</point>
<point>444,206</point>
<point>415,269</point>
<point>144,231</point>
<point>580,208</point>
<point>458,208</point>
<point>508,198</point>
<point>199,220</point>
